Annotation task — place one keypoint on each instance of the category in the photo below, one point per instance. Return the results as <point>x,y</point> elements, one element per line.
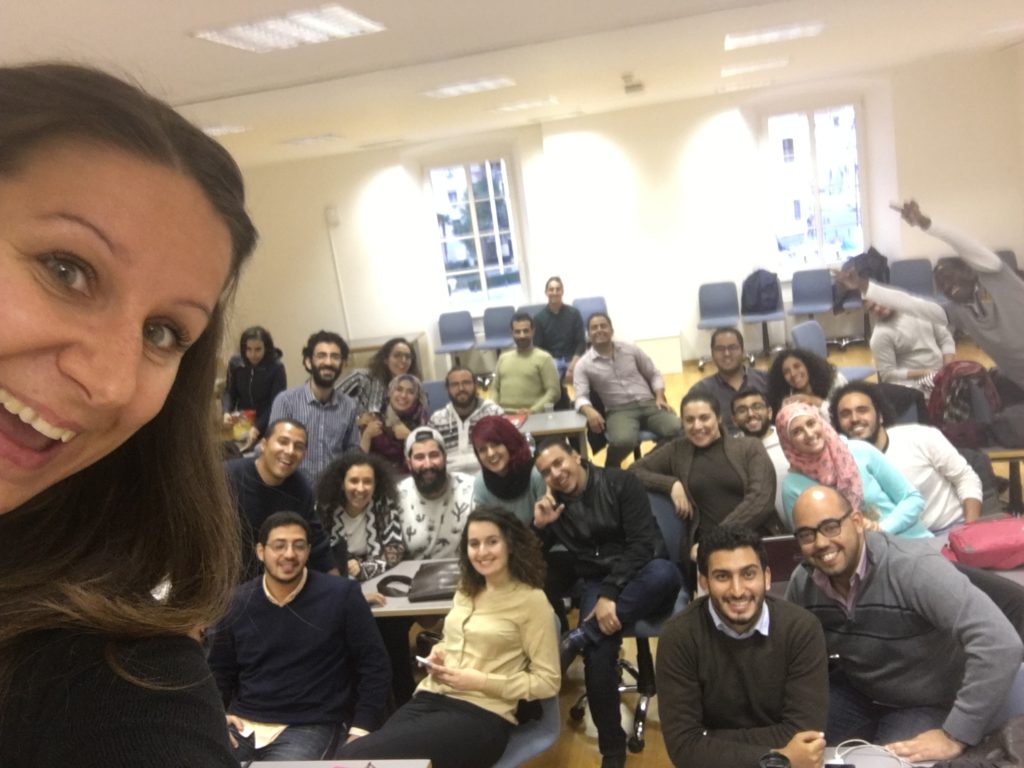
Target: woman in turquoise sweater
<point>858,470</point>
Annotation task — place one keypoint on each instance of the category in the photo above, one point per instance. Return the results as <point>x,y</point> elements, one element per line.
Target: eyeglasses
<point>278,547</point>
<point>401,355</point>
<point>743,410</point>
<point>828,528</point>
<point>730,348</point>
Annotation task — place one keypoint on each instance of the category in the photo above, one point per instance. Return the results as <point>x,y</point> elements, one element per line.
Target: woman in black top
<point>255,376</point>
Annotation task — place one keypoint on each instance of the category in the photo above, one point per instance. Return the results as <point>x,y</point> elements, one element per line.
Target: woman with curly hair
<point>855,468</point>
<point>508,478</point>
<point>358,506</point>
<point>798,375</point>
<point>254,377</point>
<point>500,645</point>
<point>369,386</point>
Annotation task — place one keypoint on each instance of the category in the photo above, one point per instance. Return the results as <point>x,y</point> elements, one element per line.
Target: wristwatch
<point>773,760</point>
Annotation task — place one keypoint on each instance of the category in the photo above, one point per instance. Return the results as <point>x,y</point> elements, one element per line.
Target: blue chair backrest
<point>913,276</point>
<point>674,531</point>
<point>455,326</point>
<point>437,395</point>
<point>810,335</point>
<point>498,321</point>
<point>812,285</point>
<point>531,309</point>
<point>718,299</point>
<point>589,305</point>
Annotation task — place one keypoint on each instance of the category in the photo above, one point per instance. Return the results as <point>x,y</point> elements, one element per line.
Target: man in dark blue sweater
<point>271,483</point>
<point>298,658</point>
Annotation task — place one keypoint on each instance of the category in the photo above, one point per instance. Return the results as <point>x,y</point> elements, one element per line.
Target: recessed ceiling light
<point>754,66</point>
<point>224,130</point>
<point>520,106</point>
<point>774,35</point>
<point>317,25</point>
<point>321,138</point>
<point>469,87</point>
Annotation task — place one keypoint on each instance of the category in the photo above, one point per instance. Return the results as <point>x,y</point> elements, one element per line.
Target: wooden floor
<point>577,745</point>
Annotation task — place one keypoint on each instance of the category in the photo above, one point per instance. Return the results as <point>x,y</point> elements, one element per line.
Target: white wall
<point>640,206</point>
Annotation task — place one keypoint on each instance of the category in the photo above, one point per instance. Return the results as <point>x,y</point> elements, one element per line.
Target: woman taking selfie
<point>499,646</point>
<point>122,232</point>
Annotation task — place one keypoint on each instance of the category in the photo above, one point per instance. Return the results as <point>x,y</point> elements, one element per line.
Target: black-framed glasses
<point>828,528</point>
<point>743,410</point>
<point>734,348</point>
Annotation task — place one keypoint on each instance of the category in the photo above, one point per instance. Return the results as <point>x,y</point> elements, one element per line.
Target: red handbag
<point>996,544</point>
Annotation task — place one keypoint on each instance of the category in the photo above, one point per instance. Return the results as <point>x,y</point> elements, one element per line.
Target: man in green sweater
<point>739,673</point>
<point>525,378</point>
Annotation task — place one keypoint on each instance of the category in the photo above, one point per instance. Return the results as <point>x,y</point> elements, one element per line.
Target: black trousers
<point>450,732</point>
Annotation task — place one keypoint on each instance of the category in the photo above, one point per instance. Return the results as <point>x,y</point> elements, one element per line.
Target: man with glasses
<point>457,418</point>
<point>329,415</point>
<point>298,658</point>
<point>754,418</point>
<point>732,375</point>
<point>925,660</point>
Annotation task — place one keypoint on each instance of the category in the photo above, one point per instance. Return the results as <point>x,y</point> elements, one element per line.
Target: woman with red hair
<point>508,479</point>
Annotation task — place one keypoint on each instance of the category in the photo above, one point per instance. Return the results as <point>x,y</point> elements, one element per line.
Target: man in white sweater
<point>951,489</point>
<point>908,351</point>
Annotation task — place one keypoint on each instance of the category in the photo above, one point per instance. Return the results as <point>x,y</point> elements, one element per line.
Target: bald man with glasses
<point>925,660</point>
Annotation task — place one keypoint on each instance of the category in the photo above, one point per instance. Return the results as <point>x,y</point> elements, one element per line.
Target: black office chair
<point>673,529</point>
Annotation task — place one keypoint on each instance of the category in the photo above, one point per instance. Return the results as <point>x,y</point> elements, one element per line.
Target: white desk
<point>401,606</point>
<point>348,763</point>
<point>573,423</point>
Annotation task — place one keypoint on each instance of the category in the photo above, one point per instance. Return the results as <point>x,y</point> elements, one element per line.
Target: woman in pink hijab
<point>858,470</point>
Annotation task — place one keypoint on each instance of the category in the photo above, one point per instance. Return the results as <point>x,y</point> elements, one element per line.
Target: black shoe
<point>570,646</point>
<point>613,761</point>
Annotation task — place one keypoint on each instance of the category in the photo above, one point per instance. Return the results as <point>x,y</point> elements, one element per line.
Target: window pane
<point>489,251</point>
<point>835,142</point>
<point>484,219</point>
<point>508,256</point>
<point>459,254</point>
<point>502,214</point>
<point>465,284</point>
<point>498,177</point>
<point>478,175</point>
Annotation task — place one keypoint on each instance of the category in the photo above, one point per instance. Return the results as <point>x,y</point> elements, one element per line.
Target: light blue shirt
<point>721,626</point>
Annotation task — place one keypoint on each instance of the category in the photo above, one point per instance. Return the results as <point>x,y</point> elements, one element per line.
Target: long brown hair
<point>87,552</point>
<point>525,556</point>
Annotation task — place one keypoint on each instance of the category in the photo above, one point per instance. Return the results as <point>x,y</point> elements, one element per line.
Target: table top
<point>554,422</point>
<point>401,606</point>
<point>349,763</point>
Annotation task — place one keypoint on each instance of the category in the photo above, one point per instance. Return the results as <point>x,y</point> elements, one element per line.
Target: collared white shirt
<point>761,625</point>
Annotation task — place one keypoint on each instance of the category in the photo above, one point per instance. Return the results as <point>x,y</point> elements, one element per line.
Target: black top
<point>254,387</point>
<point>67,706</point>
<point>560,335</point>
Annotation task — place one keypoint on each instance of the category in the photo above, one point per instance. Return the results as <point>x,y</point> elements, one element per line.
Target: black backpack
<point>760,293</point>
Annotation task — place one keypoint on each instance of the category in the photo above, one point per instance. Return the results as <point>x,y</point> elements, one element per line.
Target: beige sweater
<point>509,634</point>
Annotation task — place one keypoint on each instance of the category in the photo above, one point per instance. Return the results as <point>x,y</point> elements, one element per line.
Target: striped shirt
<point>331,427</point>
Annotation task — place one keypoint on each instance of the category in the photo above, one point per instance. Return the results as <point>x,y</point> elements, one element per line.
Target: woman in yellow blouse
<point>499,646</point>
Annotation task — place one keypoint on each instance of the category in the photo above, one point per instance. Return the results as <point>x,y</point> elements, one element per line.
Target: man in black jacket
<point>603,519</point>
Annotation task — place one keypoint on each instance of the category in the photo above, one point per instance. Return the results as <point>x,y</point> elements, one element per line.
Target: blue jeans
<point>296,742</point>
<point>852,715</point>
<point>651,591</point>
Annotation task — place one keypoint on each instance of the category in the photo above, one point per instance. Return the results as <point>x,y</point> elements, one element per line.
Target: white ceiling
<point>367,91</point>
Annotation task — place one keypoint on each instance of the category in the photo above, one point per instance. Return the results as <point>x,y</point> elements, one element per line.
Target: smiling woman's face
<point>110,267</point>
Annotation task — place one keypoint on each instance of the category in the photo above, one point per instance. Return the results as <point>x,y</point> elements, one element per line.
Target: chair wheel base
<point>635,745</point>
<point>576,712</point>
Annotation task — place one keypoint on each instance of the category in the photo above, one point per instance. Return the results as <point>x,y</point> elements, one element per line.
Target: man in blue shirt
<point>298,658</point>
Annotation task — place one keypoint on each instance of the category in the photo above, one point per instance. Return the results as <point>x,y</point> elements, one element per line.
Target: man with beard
<point>615,552</point>
<point>741,673</point>
<point>457,418</point>
<point>753,417</point>
<point>329,415</point>
<point>297,658</point>
<point>732,375</point>
<point>433,503</point>
<point>951,489</point>
<point>924,660</point>
<point>525,378</point>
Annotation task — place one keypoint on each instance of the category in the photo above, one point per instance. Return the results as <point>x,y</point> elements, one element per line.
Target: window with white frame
<point>475,227</point>
<point>814,183</point>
